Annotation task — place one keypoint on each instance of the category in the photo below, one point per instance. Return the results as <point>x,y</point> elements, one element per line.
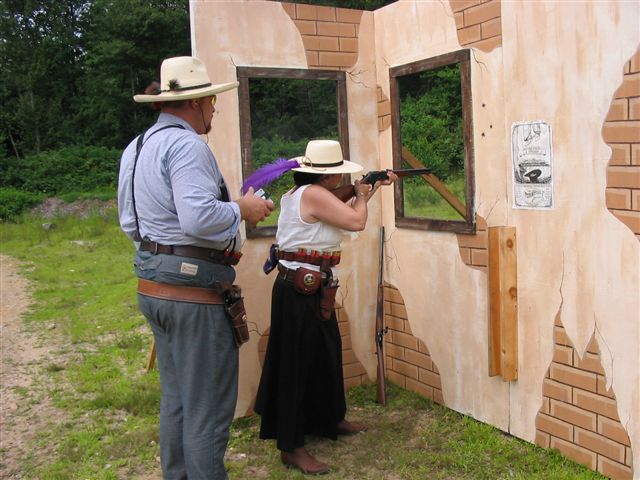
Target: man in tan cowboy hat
<point>174,204</point>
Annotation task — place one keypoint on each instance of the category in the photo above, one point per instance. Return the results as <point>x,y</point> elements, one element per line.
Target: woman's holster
<point>308,282</point>
<point>328,298</point>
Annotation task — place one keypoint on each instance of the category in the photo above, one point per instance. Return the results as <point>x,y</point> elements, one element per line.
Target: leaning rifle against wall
<point>381,330</point>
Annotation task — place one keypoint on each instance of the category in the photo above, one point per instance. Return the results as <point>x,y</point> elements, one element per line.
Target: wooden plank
<point>503,303</point>
<point>429,63</point>
<point>293,73</point>
<point>467,131</point>
<point>509,304</point>
<point>396,139</point>
<point>343,114</point>
<point>494,302</point>
<point>437,185</point>
<point>456,226</point>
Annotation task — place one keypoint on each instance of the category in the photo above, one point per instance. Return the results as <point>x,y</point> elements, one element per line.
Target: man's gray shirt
<point>177,190</point>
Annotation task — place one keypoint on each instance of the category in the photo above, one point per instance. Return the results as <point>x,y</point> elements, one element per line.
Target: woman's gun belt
<point>323,260</point>
<point>308,282</point>
<point>224,257</point>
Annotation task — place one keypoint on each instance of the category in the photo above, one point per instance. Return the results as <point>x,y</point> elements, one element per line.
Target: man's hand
<point>253,209</point>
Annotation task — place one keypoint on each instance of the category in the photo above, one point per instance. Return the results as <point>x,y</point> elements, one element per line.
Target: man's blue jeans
<point>198,363</point>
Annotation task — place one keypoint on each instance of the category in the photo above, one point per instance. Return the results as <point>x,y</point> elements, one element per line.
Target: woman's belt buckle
<point>309,280</point>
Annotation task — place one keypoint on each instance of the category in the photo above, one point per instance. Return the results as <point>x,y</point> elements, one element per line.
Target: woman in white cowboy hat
<point>301,389</point>
<point>173,203</point>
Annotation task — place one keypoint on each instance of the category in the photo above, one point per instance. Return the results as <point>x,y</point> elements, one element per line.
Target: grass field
<point>86,310</point>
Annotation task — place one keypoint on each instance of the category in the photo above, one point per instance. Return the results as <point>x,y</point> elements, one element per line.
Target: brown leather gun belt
<point>314,257</point>
<point>288,273</point>
<point>179,293</point>
<point>224,257</point>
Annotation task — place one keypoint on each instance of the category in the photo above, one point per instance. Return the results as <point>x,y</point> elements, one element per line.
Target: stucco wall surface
<point>577,260</point>
<point>358,273</point>
<point>560,62</point>
<point>446,300</point>
<point>227,34</point>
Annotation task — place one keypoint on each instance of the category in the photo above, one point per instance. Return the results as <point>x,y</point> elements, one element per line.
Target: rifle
<point>381,330</point>
<point>346,192</point>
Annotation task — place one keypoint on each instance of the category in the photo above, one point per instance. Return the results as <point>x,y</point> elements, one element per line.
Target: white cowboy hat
<point>184,78</point>
<point>325,157</point>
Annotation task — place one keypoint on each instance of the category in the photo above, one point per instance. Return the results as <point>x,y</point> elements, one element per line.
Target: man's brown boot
<point>302,460</point>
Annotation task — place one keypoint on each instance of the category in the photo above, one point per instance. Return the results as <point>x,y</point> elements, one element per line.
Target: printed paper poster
<point>532,165</point>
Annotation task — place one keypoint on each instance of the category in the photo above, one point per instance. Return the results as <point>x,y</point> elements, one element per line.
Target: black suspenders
<point>138,237</point>
<point>224,193</point>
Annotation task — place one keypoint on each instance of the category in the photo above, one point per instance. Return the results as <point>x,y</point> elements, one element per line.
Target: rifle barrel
<point>406,172</point>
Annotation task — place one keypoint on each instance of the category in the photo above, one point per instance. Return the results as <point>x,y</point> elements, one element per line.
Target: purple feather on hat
<point>268,173</point>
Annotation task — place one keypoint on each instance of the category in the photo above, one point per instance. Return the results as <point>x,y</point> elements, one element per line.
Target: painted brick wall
<point>478,23</point>
<point>407,360</point>
<point>579,416</point>
<point>353,371</point>
<point>384,111</point>
<point>474,249</point>
<point>329,34</point>
<point>622,132</point>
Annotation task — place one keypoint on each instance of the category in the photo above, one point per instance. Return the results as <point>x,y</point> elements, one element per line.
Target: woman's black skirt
<point>301,389</point>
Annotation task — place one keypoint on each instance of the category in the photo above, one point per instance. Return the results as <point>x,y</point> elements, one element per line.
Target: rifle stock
<point>381,397</point>
<point>344,193</point>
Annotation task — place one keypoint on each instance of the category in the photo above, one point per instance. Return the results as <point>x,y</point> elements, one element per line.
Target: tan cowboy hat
<point>325,157</point>
<point>184,78</point>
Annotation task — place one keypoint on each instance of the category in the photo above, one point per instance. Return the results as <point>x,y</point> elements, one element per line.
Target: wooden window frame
<point>462,58</point>
<point>244,74</point>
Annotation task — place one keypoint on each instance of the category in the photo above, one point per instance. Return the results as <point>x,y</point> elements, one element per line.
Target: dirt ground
<point>24,410</point>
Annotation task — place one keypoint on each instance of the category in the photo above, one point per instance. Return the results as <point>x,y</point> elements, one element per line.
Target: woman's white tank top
<point>294,233</point>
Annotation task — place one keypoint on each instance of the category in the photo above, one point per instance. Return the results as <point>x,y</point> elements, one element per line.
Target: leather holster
<point>237,315</point>
<point>307,282</point>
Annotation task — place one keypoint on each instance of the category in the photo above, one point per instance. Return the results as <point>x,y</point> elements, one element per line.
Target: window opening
<point>432,127</point>
<point>280,111</point>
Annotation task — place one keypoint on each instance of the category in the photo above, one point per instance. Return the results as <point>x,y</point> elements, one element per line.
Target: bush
<point>13,202</point>
<point>267,150</point>
<point>431,119</point>
<point>65,170</point>
<point>435,141</point>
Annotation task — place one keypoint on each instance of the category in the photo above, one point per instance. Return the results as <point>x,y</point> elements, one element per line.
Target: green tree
<point>431,119</point>
<point>40,47</point>
<point>126,42</point>
<point>293,108</point>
